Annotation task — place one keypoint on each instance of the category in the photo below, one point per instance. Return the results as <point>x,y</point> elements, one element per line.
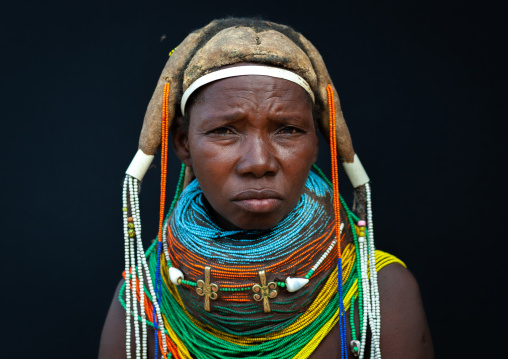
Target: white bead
<point>294,284</point>
<point>175,274</point>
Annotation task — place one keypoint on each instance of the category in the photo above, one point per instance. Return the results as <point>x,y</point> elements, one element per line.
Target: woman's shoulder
<point>404,329</point>
<point>112,344</point>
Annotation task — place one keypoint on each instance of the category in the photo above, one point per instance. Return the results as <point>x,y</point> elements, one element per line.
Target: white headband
<point>244,71</point>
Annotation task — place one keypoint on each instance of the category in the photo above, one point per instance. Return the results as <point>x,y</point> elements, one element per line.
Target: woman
<point>249,260</point>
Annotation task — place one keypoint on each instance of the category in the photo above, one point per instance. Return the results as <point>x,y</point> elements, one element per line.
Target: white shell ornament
<point>294,284</point>
<point>174,275</point>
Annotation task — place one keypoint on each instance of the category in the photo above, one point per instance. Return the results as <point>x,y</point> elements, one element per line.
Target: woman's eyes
<point>289,130</point>
<point>222,131</point>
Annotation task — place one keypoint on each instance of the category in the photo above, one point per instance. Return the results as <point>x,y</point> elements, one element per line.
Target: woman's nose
<point>257,158</point>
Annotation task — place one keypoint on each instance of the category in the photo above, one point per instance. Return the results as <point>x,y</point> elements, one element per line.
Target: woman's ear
<point>180,140</point>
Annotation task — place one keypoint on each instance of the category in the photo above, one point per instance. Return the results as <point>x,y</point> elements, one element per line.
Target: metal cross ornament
<point>207,289</point>
<point>264,291</point>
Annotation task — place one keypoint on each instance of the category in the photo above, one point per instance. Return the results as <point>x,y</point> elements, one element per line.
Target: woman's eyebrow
<point>224,117</point>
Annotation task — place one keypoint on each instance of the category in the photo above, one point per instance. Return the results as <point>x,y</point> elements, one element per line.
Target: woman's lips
<point>259,205</point>
<point>258,201</point>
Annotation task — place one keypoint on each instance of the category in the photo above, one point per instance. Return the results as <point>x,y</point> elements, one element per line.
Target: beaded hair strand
<point>164,165</point>
<point>336,208</point>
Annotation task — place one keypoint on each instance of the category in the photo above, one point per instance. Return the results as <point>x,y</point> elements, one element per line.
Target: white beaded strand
<point>323,257</point>
<point>127,270</point>
<point>366,290</point>
<point>134,282</point>
<point>155,305</point>
<point>165,243</point>
<point>140,254</point>
<point>327,252</point>
<point>133,196</point>
<point>374,288</point>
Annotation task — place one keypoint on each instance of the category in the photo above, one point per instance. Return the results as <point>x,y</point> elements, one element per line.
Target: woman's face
<point>251,141</point>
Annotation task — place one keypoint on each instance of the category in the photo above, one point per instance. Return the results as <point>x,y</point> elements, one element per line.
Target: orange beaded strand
<point>164,155</point>
<point>335,171</point>
<point>336,207</point>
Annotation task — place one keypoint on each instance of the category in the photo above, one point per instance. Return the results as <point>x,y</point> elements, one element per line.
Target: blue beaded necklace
<point>192,224</point>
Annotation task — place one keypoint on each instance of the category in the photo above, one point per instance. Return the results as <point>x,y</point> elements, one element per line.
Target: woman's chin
<point>260,221</point>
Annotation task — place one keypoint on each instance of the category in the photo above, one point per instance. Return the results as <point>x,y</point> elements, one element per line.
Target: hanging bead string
<point>164,153</point>
<point>364,255</point>
<point>336,207</point>
<point>128,301</point>
<point>374,289</point>
<point>134,275</point>
<point>325,254</point>
<point>141,260</point>
<point>362,305</point>
<point>356,348</point>
<point>137,278</point>
<point>368,292</point>
<point>136,223</point>
<point>354,342</point>
<point>164,164</point>
<point>135,264</point>
<point>149,310</point>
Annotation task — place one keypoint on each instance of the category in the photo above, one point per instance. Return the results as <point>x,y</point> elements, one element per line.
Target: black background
<point>421,84</point>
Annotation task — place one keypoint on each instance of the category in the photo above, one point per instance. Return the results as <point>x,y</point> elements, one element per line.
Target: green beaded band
<point>352,318</point>
<point>309,274</point>
<point>188,282</point>
<point>227,289</point>
<point>222,289</point>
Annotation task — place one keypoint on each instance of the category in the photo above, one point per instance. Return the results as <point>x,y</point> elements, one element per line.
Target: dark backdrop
<point>421,87</point>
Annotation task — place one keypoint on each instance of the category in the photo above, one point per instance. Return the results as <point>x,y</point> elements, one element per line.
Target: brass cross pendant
<point>264,291</point>
<point>207,289</point>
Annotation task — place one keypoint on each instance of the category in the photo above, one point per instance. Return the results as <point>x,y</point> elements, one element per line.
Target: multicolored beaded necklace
<point>306,250</point>
<point>172,303</point>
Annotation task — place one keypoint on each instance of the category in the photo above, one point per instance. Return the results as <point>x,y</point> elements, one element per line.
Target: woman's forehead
<point>256,90</point>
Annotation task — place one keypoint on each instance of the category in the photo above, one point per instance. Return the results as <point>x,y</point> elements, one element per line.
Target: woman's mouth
<point>258,201</point>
